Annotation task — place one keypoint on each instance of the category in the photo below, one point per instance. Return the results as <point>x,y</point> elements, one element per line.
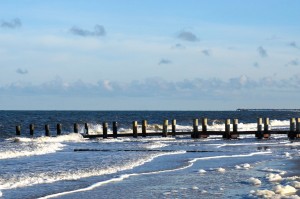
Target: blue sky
<point>149,55</point>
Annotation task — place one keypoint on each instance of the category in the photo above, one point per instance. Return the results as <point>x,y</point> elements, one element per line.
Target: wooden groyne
<point>263,130</point>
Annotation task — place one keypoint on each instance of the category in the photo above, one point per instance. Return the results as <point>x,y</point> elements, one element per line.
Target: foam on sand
<point>263,193</point>
<point>201,171</point>
<point>296,184</point>
<point>221,170</point>
<point>271,177</point>
<point>254,181</point>
<point>284,190</point>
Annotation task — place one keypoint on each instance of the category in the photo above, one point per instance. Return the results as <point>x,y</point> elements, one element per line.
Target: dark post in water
<point>115,129</point>
<point>174,127</point>
<point>144,128</point>
<point>292,133</point>
<point>195,133</point>
<point>204,128</point>
<point>266,128</point>
<point>104,127</point>
<point>75,128</point>
<point>235,134</point>
<point>58,129</point>
<point>259,134</point>
<point>134,129</point>
<point>298,127</point>
<point>18,130</point>
<point>47,130</point>
<point>86,128</point>
<point>227,129</point>
<point>165,128</point>
<point>31,129</point>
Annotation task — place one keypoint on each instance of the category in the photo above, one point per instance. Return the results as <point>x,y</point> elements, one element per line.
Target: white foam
<point>195,187</point>
<point>1,194</point>
<point>281,172</point>
<point>271,177</point>
<point>154,145</point>
<point>122,177</point>
<point>31,150</point>
<point>40,178</point>
<point>284,190</point>
<point>202,171</point>
<point>221,170</point>
<point>296,184</point>
<point>243,166</point>
<point>263,193</point>
<point>254,181</point>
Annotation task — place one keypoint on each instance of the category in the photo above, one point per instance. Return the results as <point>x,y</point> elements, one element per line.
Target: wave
<point>41,178</point>
<point>21,146</point>
<point>125,176</point>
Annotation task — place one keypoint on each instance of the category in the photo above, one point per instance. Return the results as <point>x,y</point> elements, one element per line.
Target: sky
<point>149,54</point>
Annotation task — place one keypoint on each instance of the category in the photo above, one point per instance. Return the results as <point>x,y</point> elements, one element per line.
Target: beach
<point>149,167</point>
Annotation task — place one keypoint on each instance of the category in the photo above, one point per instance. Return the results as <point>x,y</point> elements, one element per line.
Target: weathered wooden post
<point>259,134</point>
<point>104,127</point>
<point>135,129</point>
<point>58,129</point>
<point>298,127</point>
<point>165,128</point>
<point>235,134</point>
<point>292,133</point>
<point>75,128</point>
<point>47,130</point>
<point>144,128</point>
<point>266,127</point>
<point>174,127</point>
<point>204,128</point>
<point>115,129</point>
<point>18,130</point>
<point>31,129</point>
<point>195,133</point>
<point>227,129</point>
<point>86,128</point>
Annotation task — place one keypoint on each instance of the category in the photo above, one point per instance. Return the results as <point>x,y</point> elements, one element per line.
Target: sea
<point>71,166</point>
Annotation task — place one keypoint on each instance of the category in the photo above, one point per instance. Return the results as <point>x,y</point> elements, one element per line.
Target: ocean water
<point>151,167</point>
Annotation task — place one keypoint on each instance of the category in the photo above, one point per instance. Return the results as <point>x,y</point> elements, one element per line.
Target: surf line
<point>125,176</point>
<point>142,150</point>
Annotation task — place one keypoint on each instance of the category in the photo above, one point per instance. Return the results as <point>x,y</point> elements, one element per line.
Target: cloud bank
<point>97,32</point>
<point>157,87</point>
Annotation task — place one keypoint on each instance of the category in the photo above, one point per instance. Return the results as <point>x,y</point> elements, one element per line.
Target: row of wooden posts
<point>260,133</point>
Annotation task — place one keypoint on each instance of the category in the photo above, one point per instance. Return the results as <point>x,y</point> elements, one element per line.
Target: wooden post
<point>58,129</point>
<point>18,130</point>
<point>31,129</point>
<point>235,134</point>
<point>47,130</point>
<point>292,133</point>
<point>104,127</point>
<point>165,128</point>
<point>298,128</point>
<point>259,134</point>
<point>204,128</point>
<point>86,128</point>
<point>144,128</point>
<point>227,129</point>
<point>174,127</point>
<point>115,129</point>
<point>75,128</point>
<point>266,128</point>
<point>195,133</point>
<point>134,129</point>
